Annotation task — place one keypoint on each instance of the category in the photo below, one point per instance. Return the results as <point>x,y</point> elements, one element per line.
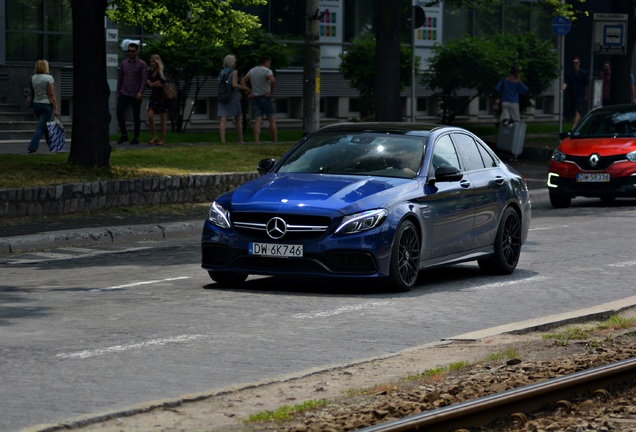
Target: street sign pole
<point>561,26</point>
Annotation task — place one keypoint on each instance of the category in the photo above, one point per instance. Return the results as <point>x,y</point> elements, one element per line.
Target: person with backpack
<point>263,82</point>
<point>230,99</point>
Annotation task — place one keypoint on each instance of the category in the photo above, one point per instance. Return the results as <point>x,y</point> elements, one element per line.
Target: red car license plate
<point>592,177</point>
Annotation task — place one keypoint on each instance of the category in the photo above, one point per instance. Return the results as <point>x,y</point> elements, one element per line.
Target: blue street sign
<point>561,25</point>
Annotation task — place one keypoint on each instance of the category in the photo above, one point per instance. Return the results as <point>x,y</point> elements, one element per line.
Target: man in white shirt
<point>262,81</point>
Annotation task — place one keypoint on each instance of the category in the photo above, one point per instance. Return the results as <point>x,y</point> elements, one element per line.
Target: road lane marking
<point>340,310</point>
<point>624,264</point>
<point>150,282</point>
<point>131,346</point>
<point>549,228</point>
<point>508,283</point>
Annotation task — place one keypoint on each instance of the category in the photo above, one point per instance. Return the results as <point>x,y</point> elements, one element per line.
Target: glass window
<point>39,29</point>
<point>469,151</point>
<point>486,156</point>
<point>445,153</point>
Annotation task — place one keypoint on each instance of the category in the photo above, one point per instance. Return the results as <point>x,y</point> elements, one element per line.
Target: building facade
<point>32,29</point>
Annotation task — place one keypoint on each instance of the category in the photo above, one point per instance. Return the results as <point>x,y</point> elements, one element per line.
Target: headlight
<point>219,216</point>
<point>362,221</point>
<point>631,156</point>
<point>558,156</point>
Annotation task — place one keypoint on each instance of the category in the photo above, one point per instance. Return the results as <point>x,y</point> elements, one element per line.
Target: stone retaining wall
<point>78,197</point>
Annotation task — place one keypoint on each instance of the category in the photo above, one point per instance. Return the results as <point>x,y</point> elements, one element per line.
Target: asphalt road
<point>88,330</point>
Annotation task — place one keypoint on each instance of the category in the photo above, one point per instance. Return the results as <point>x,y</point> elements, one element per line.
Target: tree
<point>453,67</point>
<point>180,22</point>
<point>91,117</point>
<point>388,29</point>
<point>358,66</point>
<point>387,60</point>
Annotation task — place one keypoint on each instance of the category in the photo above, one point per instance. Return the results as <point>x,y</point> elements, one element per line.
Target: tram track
<point>512,405</point>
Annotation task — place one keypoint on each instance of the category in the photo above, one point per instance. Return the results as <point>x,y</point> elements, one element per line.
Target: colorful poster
<point>331,23</point>
<point>431,32</point>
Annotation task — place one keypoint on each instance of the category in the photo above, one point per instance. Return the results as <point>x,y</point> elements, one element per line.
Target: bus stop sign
<point>561,25</point>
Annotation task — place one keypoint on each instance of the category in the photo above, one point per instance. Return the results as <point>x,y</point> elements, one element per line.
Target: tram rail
<point>515,402</point>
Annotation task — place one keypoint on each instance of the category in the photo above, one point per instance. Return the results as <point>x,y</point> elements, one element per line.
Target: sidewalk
<point>118,225</point>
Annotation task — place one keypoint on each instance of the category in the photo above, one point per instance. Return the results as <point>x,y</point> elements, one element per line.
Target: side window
<point>445,153</point>
<point>488,159</point>
<point>469,152</point>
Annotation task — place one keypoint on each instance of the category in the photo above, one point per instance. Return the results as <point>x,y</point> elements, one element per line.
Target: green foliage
<point>358,67</point>
<point>454,67</point>
<point>190,21</point>
<point>571,333</point>
<point>261,43</point>
<point>285,412</point>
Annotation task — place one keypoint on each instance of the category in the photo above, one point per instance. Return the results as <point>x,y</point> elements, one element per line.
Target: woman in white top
<point>44,103</point>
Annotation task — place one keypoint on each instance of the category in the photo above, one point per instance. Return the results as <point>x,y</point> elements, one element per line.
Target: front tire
<point>228,279</point>
<point>405,257</point>
<point>507,245</point>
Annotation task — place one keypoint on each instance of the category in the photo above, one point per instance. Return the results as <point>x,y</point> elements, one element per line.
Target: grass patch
<point>285,412</point>
<point>567,335</point>
<point>21,171</point>
<point>616,322</point>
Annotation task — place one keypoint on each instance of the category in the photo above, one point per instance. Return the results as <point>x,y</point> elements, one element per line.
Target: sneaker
<point>134,142</point>
<point>122,140</point>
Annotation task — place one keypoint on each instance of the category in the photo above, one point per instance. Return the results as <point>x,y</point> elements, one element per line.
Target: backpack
<point>225,85</point>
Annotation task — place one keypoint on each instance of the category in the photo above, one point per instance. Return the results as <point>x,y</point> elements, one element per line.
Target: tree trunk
<point>387,60</point>
<point>90,146</point>
<point>311,87</point>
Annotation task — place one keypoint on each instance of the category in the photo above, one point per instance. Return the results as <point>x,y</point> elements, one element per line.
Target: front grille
<point>604,162</point>
<point>297,227</point>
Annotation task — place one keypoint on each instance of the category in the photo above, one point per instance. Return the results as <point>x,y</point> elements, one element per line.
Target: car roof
<point>383,127</point>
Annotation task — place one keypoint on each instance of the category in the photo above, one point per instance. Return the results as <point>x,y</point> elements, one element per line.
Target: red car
<point>597,159</point>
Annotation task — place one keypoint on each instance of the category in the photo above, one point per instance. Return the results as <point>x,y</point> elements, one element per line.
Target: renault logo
<point>276,228</point>
<point>594,160</point>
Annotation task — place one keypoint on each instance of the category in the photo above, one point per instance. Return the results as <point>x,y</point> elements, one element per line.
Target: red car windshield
<point>607,123</point>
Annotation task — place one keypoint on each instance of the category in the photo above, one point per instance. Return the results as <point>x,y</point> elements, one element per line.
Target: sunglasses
<point>132,51</point>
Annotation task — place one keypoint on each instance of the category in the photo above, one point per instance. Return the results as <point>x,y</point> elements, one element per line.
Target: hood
<point>275,192</point>
<point>603,146</point>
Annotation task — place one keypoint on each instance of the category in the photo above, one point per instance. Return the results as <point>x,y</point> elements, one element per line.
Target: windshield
<point>373,154</point>
<point>607,124</point>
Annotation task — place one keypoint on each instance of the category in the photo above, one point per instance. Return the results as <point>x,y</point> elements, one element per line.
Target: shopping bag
<point>169,91</point>
<point>57,142</point>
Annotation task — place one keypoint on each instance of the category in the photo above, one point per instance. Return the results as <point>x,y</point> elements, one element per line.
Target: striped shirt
<point>132,77</point>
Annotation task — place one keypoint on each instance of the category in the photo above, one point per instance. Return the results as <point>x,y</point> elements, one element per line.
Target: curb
<point>97,236</point>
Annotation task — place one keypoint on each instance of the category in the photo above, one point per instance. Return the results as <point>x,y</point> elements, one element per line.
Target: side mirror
<point>265,165</point>
<point>563,135</point>
<point>448,173</point>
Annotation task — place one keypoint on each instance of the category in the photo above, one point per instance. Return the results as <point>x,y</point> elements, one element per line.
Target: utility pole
<point>311,63</point>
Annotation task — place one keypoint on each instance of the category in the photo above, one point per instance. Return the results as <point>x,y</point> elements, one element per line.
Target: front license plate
<point>276,250</point>
<point>593,177</point>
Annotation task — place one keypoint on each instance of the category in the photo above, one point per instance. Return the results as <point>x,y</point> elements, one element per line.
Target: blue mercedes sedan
<point>371,200</point>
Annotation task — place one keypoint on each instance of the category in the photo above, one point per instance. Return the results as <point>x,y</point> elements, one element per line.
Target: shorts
<point>262,105</point>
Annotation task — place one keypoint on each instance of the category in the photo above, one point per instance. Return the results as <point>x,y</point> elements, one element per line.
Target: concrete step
<point>10,108</point>
<point>17,125</point>
<point>16,116</point>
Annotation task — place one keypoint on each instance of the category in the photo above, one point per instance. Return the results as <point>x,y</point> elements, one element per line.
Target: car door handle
<point>499,180</point>
<point>465,184</point>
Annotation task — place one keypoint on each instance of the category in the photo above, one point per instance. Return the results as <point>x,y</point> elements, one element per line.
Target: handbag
<point>57,141</point>
<point>31,95</point>
<point>169,91</point>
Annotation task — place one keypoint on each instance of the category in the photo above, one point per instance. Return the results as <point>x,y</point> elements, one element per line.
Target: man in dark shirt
<point>131,83</point>
<point>576,85</point>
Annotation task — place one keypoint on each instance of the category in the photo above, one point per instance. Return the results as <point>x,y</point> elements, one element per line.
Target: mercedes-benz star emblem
<point>276,228</point>
<point>594,160</point>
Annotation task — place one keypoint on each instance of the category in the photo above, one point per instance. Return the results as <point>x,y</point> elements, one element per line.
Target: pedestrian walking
<point>44,101</point>
<point>262,81</point>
